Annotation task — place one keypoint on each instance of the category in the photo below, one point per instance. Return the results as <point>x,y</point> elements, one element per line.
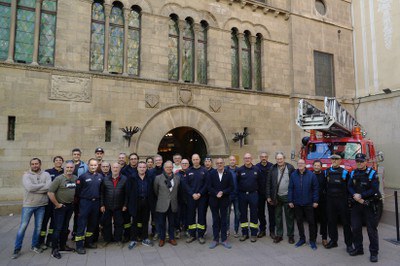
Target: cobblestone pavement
<point>263,252</point>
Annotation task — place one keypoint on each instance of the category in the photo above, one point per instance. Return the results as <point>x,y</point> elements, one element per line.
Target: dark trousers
<point>261,213</point>
<point>140,223</point>
<point>48,216</point>
<point>219,210</point>
<point>127,225</point>
<point>320,217</point>
<point>282,203</point>
<point>88,218</point>
<point>108,217</point>
<point>306,213</point>
<point>248,200</point>
<point>338,207</point>
<point>162,216</point>
<point>236,212</point>
<point>360,213</point>
<point>197,206</point>
<point>61,217</point>
<point>271,218</point>
<point>76,215</point>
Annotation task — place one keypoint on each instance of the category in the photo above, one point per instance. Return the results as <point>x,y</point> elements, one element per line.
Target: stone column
<point>13,21</point>
<point>253,40</point>
<point>37,32</point>
<point>126,29</point>
<point>240,40</point>
<point>196,30</point>
<point>181,25</point>
<point>107,11</point>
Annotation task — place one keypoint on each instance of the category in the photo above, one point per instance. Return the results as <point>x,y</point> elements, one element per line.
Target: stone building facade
<point>257,59</point>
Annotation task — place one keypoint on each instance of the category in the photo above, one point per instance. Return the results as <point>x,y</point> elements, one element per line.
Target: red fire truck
<point>333,131</point>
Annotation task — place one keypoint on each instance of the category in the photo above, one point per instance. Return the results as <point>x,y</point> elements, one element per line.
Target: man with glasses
<point>337,203</point>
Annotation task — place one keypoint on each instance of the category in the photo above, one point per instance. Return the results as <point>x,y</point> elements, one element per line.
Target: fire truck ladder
<point>334,120</point>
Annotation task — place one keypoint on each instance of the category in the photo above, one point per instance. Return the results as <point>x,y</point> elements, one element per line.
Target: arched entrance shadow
<point>182,116</point>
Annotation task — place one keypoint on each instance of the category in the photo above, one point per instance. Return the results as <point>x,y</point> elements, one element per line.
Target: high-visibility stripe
<point>202,227</point>
<point>193,226</point>
<point>127,226</point>
<point>50,231</point>
<point>79,238</point>
<point>140,225</point>
<point>88,234</point>
<point>42,233</point>
<point>253,225</point>
<point>245,225</point>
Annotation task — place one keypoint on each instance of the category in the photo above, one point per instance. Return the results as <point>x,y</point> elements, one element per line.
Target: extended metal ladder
<point>334,120</point>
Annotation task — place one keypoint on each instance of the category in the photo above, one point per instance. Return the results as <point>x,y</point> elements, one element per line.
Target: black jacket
<point>133,196</point>
<point>272,180</point>
<point>114,198</point>
<point>215,186</point>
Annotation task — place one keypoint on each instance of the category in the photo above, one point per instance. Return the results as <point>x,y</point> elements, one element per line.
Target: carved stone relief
<point>70,88</point>
<point>215,105</point>
<point>152,100</point>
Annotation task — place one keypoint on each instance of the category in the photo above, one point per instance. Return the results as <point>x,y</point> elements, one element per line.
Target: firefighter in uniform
<point>249,178</point>
<point>337,203</point>
<point>364,188</point>
<point>195,186</point>
<point>88,193</point>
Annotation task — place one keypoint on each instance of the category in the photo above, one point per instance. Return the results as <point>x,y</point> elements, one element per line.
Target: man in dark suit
<point>220,185</point>
<point>166,188</point>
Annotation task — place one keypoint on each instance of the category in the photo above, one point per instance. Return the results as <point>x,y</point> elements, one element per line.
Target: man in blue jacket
<point>303,197</point>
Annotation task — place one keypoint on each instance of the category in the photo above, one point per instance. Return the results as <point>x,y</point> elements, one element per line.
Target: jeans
<point>235,203</point>
<point>26,215</point>
<point>61,217</point>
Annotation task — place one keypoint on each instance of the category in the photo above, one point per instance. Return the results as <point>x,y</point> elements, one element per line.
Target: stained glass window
<point>97,37</point>
<point>202,54</point>
<point>173,46</point>
<point>246,62</point>
<point>188,52</point>
<point>5,18</point>
<point>234,59</point>
<point>134,25</point>
<point>25,31</point>
<point>116,41</point>
<point>47,32</point>
<point>257,63</point>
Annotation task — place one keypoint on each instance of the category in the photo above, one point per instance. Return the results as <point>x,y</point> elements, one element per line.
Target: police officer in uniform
<point>364,188</point>
<point>88,193</point>
<point>249,179</point>
<point>337,203</point>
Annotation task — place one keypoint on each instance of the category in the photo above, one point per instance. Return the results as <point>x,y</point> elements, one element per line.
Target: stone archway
<point>182,116</point>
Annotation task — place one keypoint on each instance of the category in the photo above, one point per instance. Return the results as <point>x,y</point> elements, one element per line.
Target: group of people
<point>116,200</point>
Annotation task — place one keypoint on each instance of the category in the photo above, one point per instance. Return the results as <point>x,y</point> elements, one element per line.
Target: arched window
<point>97,37</point>
<point>257,63</point>
<point>246,61</point>
<point>47,37</point>
<point>188,51</point>
<point>5,19</point>
<point>25,31</point>
<point>173,46</point>
<point>134,26</point>
<point>116,41</point>
<point>234,58</point>
<point>202,53</point>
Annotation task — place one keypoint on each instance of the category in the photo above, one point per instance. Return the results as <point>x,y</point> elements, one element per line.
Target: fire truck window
<point>367,151</point>
<point>351,149</point>
<point>318,151</point>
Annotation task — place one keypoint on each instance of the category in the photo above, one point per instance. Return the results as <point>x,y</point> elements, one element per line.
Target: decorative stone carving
<point>215,105</point>
<point>185,96</point>
<point>152,100</point>
<point>70,88</point>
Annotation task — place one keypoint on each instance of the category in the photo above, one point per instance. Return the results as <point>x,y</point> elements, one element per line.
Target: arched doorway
<point>183,140</point>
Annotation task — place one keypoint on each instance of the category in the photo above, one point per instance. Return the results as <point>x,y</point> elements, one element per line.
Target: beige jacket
<point>36,186</point>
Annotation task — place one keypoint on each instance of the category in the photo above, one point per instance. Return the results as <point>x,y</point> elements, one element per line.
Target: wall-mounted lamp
<point>387,91</point>
<point>239,136</point>
<point>129,132</point>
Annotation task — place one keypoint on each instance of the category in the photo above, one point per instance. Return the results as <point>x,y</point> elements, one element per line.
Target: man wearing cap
<point>99,154</point>
<point>337,203</point>
<point>364,188</point>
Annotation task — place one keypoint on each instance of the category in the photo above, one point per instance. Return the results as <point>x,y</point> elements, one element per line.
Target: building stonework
<point>62,107</point>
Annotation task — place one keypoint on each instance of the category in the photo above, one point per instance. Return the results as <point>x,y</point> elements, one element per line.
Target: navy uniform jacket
<point>215,186</point>
<point>336,182</point>
<point>262,190</point>
<point>364,182</point>
<point>249,178</point>
<point>54,172</point>
<point>88,186</point>
<point>195,181</point>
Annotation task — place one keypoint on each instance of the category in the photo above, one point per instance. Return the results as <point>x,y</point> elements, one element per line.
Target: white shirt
<point>220,176</point>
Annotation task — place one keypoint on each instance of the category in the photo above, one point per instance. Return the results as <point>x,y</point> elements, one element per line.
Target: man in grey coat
<point>166,189</point>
